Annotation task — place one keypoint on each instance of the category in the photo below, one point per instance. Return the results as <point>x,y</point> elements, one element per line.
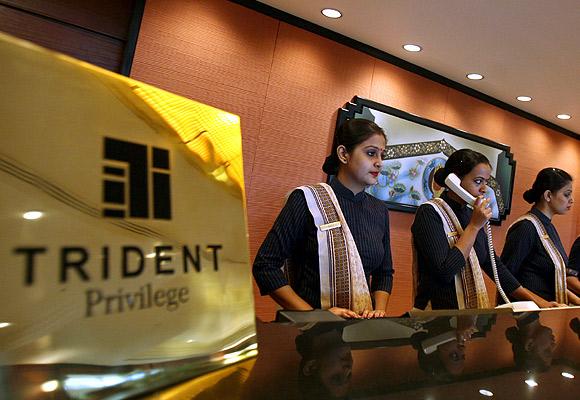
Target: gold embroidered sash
<point>553,253</point>
<point>342,279</point>
<point>469,284</point>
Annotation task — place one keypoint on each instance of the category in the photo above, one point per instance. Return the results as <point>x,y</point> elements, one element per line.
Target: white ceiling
<point>522,47</point>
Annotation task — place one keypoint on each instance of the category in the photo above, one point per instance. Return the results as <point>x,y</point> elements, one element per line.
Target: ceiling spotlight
<point>331,13</point>
<point>413,48</point>
<point>475,77</point>
<point>49,386</point>
<point>531,383</point>
<point>563,116</point>
<point>524,98</point>
<point>567,375</point>
<point>31,215</point>
<point>484,392</point>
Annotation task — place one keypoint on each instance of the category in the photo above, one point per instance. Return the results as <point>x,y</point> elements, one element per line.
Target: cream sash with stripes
<point>469,284</point>
<point>342,279</point>
<point>552,250</point>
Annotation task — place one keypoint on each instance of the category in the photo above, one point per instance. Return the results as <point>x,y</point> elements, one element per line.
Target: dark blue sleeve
<point>519,244</point>
<point>383,280</point>
<point>431,243</point>
<point>280,243</point>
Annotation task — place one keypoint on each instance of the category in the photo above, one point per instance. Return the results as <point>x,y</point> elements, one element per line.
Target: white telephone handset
<point>454,183</point>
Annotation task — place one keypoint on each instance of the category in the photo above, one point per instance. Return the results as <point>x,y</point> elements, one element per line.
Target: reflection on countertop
<point>438,355</point>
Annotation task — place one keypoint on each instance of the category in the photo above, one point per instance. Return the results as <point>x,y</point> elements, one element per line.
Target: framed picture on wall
<point>417,147</point>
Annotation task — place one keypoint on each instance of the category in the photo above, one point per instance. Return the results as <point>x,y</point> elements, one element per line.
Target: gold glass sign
<point>124,257</point>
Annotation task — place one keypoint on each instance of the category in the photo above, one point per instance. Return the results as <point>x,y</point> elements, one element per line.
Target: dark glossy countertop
<point>431,356</point>
<point>437,356</point>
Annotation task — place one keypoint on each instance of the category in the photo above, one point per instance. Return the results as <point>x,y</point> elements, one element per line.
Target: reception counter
<point>443,355</point>
<point>436,355</point>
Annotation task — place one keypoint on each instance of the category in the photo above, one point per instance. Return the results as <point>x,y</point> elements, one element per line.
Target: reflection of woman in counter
<point>333,238</point>
<point>326,364</point>
<point>451,246</point>
<point>533,250</point>
<point>573,271</point>
<point>533,344</point>
<point>441,348</point>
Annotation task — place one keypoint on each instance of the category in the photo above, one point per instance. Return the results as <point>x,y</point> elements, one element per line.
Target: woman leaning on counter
<point>333,240</point>
<point>533,250</point>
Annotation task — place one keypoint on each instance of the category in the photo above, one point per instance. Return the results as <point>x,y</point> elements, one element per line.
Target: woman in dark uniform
<point>533,250</point>
<point>572,273</point>
<point>308,239</point>
<point>451,246</point>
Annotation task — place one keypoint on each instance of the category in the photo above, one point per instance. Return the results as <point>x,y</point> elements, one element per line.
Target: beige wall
<point>287,85</point>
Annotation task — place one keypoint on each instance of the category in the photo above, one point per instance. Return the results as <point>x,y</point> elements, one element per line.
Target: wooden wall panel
<point>96,31</point>
<point>287,84</point>
<point>102,51</point>
<point>218,54</point>
<point>404,90</point>
<point>109,17</point>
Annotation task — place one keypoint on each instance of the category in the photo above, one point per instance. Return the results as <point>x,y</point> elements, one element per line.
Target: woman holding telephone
<point>450,246</point>
<point>533,250</point>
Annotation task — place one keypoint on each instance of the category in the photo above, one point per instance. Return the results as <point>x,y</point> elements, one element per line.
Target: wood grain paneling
<point>109,17</point>
<point>473,115</point>
<point>287,84</point>
<point>409,92</point>
<point>99,50</point>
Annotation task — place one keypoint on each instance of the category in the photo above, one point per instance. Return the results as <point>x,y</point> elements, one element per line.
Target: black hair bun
<point>440,176</point>
<point>330,166</point>
<point>530,196</point>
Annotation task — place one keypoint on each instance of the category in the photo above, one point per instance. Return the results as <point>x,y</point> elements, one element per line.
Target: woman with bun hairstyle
<point>533,251</point>
<point>450,246</point>
<point>330,246</point>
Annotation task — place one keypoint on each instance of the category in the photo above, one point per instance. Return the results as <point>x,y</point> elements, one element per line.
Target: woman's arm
<point>524,294</point>
<point>481,214</point>
<point>382,280</point>
<point>519,243</point>
<point>287,298</point>
<point>573,283</point>
<point>431,244</point>
<point>573,299</point>
<point>278,246</point>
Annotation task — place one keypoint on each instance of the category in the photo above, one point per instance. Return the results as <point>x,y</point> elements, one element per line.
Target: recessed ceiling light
<point>531,383</point>
<point>563,116</point>
<point>49,386</point>
<point>31,215</point>
<point>524,98</point>
<point>413,48</point>
<point>567,375</point>
<point>475,77</point>
<point>485,392</point>
<point>7,324</point>
<point>331,13</point>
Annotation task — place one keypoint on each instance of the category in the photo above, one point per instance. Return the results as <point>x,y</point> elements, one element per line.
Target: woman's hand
<point>343,312</point>
<point>548,304</point>
<point>481,213</point>
<point>368,314</point>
